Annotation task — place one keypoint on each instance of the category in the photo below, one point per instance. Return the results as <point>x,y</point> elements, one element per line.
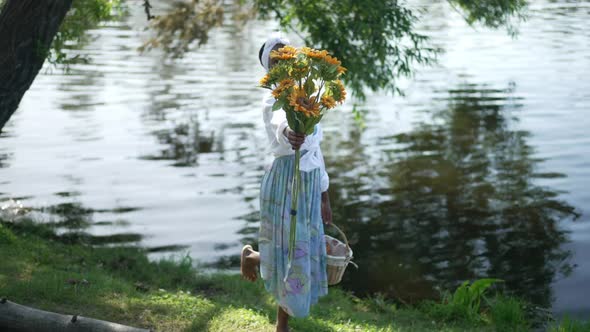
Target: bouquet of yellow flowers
<point>305,83</point>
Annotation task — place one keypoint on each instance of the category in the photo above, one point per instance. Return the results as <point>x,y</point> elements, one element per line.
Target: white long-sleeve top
<point>275,123</point>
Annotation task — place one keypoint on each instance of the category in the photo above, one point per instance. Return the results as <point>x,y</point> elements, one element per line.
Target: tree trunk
<point>18,318</point>
<point>27,28</point>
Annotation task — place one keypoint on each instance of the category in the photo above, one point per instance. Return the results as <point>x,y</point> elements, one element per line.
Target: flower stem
<point>294,196</point>
<point>318,96</point>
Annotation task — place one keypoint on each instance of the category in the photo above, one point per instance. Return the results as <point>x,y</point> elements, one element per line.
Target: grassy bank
<point>122,285</point>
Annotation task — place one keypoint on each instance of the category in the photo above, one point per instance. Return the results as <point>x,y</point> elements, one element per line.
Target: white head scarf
<point>268,45</point>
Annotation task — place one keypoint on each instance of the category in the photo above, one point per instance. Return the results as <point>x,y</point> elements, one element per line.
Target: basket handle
<point>342,234</point>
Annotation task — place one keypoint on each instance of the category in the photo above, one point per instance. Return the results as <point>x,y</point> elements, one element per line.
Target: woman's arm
<point>276,123</point>
<point>326,208</point>
<point>324,184</point>
<point>324,177</point>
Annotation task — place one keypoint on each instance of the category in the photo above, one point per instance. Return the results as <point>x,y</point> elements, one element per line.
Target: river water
<point>482,169</point>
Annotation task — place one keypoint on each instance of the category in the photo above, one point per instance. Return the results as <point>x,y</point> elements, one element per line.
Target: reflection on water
<point>70,222</point>
<point>183,144</point>
<point>455,199</point>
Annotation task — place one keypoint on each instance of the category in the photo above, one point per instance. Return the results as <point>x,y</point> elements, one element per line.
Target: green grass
<point>464,303</point>
<point>508,315</point>
<point>122,285</point>
<point>569,325</point>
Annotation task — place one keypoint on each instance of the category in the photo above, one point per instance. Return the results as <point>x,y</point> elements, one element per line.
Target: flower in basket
<point>306,84</point>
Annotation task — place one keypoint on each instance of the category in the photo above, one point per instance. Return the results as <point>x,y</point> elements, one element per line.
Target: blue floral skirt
<point>307,280</point>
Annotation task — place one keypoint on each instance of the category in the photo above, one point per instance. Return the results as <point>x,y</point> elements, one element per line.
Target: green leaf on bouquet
<point>310,125</point>
<point>295,123</point>
<point>309,87</point>
<point>278,105</point>
<point>291,119</point>
<point>300,126</point>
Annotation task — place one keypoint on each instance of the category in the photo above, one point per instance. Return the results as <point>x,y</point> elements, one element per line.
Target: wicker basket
<point>338,256</point>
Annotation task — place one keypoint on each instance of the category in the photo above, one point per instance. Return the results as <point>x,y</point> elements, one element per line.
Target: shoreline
<point>120,284</point>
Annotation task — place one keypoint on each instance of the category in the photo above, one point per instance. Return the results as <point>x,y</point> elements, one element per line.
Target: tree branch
<point>290,26</point>
<point>16,317</point>
<point>27,28</point>
<point>147,6</point>
<point>461,14</point>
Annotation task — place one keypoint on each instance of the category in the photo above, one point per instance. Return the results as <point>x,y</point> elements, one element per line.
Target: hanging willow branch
<point>186,23</point>
<point>147,6</point>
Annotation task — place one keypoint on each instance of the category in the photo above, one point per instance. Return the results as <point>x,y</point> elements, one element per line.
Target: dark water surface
<point>481,170</point>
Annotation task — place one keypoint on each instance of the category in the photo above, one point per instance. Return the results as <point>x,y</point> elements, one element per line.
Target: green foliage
<point>335,89</point>
<point>465,302</point>
<point>508,314</point>
<point>379,303</point>
<point>84,15</point>
<point>123,285</point>
<point>6,236</point>
<point>359,116</point>
<point>375,40</point>
<point>186,23</point>
<point>470,296</point>
<point>309,87</point>
<point>239,319</point>
<point>493,13</point>
<point>569,325</point>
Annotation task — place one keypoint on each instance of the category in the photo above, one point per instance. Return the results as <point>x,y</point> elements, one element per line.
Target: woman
<point>307,279</point>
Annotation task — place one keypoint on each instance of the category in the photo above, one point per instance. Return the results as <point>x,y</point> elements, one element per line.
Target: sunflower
<point>328,101</point>
<point>281,56</point>
<point>314,54</point>
<point>340,94</point>
<point>306,50</point>
<point>332,60</point>
<point>283,86</point>
<point>284,53</point>
<point>301,103</point>
<point>299,71</point>
<point>264,80</point>
<point>288,49</point>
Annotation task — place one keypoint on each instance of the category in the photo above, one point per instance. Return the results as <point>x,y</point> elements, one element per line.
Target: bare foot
<point>248,263</point>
